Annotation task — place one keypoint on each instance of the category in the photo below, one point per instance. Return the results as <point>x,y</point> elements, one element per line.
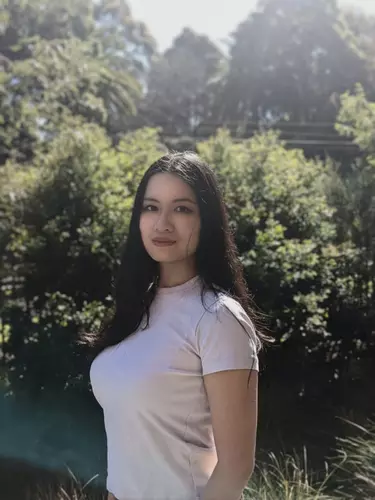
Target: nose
<point>163,223</point>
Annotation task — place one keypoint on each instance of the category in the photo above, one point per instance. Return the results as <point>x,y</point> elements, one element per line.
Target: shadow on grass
<point>20,480</point>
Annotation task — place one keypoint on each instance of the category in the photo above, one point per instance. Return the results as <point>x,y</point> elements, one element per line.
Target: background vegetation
<point>286,117</point>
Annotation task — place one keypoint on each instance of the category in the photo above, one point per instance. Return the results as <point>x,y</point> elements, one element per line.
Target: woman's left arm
<point>234,411</point>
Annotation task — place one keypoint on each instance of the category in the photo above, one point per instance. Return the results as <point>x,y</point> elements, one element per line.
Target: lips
<point>162,242</point>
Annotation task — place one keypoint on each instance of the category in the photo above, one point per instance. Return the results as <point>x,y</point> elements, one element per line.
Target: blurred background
<point>279,97</point>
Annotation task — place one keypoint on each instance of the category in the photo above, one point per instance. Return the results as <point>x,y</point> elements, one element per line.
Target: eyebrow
<point>176,200</point>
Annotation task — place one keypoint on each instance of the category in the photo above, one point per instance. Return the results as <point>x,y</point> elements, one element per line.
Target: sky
<point>215,18</point>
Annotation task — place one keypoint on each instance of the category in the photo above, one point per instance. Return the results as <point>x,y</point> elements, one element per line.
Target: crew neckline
<point>178,288</point>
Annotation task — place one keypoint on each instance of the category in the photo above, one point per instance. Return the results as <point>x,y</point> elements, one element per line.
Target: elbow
<point>240,471</point>
<point>248,470</point>
<point>251,470</point>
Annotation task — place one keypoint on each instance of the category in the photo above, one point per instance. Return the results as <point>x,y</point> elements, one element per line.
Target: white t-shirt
<point>160,443</point>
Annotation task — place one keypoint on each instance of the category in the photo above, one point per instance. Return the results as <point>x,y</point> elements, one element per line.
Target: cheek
<point>144,225</point>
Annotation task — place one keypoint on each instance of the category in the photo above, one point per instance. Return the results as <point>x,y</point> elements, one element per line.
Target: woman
<point>176,373</point>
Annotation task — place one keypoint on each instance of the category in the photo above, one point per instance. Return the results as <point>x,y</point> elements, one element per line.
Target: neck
<point>176,273</point>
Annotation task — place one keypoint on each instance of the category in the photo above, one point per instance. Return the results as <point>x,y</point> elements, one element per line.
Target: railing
<point>320,136</point>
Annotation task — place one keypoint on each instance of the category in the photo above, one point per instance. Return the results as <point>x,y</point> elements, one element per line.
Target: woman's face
<point>170,220</point>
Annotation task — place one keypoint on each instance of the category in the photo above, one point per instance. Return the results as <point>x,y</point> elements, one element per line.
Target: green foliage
<point>356,119</point>
<point>41,350</point>
<point>353,193</point>
<point>283,222</point>
<point>298,267</point>
<point>58,65</point>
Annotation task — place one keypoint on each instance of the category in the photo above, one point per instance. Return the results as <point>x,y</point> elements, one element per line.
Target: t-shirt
<point>160,443</point>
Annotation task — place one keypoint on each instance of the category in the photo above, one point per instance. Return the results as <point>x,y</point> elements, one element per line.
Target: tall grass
<point>72,491</point>
<point>357,456</point>
<point>288,478</point>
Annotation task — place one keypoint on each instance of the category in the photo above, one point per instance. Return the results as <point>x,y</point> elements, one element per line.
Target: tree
<point>61,61</point>
<point>62,80</point>
<point>48,20</point>
<point>285,232</point>
<point>308,253</point>
<point>180,87</point>
<point>126,44</point>
<point>286,61</point>
<point>353,193</point>
<point>358,29</point>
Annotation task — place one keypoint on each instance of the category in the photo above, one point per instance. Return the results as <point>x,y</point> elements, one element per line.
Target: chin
<point>163,257</point>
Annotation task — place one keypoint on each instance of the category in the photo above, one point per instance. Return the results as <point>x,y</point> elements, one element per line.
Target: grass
<point>75,491</point>
<point>357,455</point>
<point>288,478</point>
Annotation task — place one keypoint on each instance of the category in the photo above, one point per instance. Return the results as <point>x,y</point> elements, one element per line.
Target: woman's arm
<point>234,412</point>
<point>111,497</point>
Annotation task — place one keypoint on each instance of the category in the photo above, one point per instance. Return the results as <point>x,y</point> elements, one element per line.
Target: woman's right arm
<point>111,497</point>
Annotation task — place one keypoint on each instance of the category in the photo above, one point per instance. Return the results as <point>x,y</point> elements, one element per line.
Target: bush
<point>61,245</point>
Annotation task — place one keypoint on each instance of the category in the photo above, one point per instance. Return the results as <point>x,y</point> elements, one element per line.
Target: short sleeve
<point>226,338</point>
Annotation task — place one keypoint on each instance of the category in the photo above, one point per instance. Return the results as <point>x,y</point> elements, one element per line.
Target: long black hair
<point>216,258</point>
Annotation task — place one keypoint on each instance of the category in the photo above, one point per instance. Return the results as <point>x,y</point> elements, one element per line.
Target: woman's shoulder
<point>226,322</point>
<point>216,307</point>
<point>221,308</point>
<point>220,301</point>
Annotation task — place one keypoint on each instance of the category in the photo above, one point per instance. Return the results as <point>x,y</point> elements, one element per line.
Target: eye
<point>184,210</point>
<point>149,208</point>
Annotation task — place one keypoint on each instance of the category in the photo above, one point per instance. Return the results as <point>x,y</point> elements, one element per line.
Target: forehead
<point>165,185</point>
